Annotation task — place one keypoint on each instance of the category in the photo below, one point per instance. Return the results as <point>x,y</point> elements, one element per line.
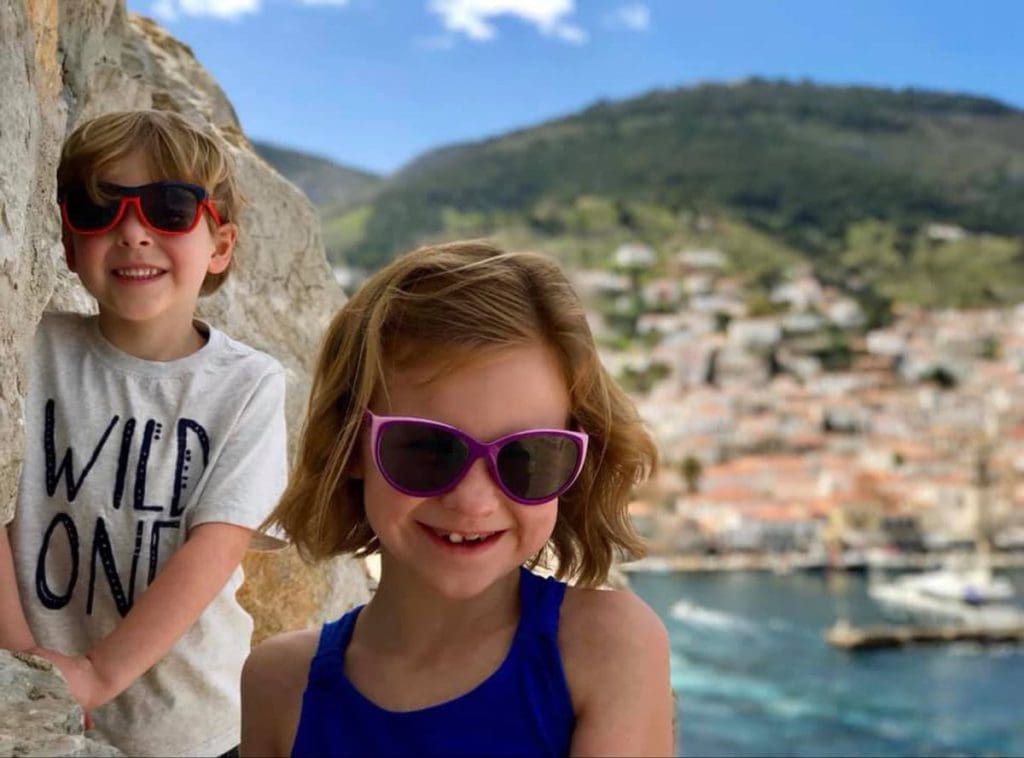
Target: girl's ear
<point>224,238</point>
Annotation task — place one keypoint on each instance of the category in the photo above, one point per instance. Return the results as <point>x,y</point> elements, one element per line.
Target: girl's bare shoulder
<point>595,624</point>
<point>273,680</point>
<point>282,657</point>
<point>615,654</point>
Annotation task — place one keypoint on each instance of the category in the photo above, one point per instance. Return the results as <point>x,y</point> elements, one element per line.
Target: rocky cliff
<point>61,63</point>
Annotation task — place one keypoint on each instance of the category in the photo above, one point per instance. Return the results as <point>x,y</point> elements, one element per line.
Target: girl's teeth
<point>456,538</point>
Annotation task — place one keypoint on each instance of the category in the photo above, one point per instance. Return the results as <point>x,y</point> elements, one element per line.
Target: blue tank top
<point>522,709</point>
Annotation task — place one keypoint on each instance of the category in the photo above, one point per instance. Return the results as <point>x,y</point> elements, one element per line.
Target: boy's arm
<point>188,582</point>
<point>14,631</point>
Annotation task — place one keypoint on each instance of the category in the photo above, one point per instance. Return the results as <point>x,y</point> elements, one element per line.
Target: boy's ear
<point>224,238</point>
<point>69,250</point>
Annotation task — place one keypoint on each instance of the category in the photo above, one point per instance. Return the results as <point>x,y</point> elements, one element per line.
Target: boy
<point>155,445</point>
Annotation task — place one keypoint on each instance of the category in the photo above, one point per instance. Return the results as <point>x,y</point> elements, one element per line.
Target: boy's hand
<point>86,684</point>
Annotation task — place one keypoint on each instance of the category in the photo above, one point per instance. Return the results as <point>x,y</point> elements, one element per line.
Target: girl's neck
<point>152,341</point>
<point>409,615</point>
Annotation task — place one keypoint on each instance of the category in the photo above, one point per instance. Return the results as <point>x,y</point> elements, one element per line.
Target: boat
<point>964,592</point>
<point>975,585</point>
<point>969,595</point>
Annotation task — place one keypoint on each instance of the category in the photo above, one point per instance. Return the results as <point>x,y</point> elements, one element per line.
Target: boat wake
<point>696,615</point>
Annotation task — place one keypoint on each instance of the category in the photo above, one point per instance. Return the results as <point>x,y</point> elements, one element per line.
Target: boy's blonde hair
<point>173,147</point>
<point>442,305</point>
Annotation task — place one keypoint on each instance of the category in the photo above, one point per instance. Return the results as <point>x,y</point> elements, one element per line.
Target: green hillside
<point>330,186</point>
<point>800,162</point>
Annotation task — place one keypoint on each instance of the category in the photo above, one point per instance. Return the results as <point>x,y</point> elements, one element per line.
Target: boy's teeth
<point>137,273</point>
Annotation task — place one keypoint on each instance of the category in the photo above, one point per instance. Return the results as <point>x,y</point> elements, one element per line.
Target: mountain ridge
<point>802,161</point>
<point>982,102</point>
<point>810,166</point>
<point>327,183</point>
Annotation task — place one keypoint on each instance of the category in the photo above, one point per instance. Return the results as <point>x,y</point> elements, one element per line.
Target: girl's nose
<point>131,232</point>
<point>477,494</point>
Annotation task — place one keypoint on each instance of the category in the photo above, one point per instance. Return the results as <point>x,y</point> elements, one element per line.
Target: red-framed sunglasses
<point>164,207</point>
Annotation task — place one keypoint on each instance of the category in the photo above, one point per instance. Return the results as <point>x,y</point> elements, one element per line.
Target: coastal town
<point>793,435</point>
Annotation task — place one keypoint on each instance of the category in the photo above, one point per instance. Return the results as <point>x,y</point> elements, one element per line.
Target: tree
<point>691,470</point>
<point>870,256</point>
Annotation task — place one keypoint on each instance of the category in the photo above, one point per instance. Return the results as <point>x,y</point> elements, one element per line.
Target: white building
<point>634,255</point>
<point>709,259</point>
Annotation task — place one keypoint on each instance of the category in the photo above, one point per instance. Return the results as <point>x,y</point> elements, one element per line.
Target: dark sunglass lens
<point>419,457</point>
<point>85,214</point>
<point>537,466</point>
<point>169,207</point>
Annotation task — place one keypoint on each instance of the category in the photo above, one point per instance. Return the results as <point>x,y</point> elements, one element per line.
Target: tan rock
<point>314,593</point>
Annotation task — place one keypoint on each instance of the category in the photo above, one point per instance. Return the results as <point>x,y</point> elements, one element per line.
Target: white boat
<point>961,592</point>
<point>966,595</point>
<point>972,585</point>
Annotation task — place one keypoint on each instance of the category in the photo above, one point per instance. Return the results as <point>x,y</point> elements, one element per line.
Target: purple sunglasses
<point>423,458</point>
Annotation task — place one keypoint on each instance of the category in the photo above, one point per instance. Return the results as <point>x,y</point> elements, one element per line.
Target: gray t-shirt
<point>123,457</point>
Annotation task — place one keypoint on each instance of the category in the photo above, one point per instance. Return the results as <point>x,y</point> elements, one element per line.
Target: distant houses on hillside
<point>810,432</point>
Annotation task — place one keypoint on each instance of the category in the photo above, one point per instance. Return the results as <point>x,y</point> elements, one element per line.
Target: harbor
<point>847,637</point>
<point>752,667</point>
<point>938,599</point>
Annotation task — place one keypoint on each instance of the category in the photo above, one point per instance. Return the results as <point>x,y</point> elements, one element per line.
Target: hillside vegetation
<point>330,186</point>
<point>848,178</point>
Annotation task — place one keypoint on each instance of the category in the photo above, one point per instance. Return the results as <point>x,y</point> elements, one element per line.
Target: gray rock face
<point>62,63</point>
<point>37,715</point>
<point>33,115</point>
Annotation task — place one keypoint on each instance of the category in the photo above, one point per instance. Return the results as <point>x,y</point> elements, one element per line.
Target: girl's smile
<point>463,542</point>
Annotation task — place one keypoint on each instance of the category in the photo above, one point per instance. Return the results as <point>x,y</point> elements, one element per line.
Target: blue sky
<point>373,83</point>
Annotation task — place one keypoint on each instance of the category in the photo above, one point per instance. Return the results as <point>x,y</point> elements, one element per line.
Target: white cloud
<point>225,9</point>
<point>164,9</point>
<point>635,17</point>
<point>219,8</point>
<point>169,10</point>
<point>474,18</point>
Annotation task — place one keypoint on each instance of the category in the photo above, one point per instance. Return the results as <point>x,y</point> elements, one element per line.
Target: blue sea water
<point>753,674</point>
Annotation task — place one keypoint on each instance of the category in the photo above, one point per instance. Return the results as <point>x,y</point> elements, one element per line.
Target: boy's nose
<point>131,232</point>
<point>477,494</point>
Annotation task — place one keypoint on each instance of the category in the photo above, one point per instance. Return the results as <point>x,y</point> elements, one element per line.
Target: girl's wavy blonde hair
<point>445,304</point>
<point>173,147</point>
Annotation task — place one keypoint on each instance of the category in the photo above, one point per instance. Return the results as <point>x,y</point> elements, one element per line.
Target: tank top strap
<point>541,601</point>
<point>329,659</point>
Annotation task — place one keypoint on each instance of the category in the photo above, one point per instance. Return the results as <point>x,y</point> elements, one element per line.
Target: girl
<point>461,425</point>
